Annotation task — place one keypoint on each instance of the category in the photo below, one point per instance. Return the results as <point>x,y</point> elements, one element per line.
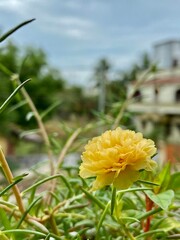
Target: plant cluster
<point>131,198</point>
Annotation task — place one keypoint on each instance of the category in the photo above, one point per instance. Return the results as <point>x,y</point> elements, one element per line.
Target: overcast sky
<point>75,34</point>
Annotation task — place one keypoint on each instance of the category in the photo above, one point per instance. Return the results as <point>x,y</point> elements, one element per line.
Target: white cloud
<point>73,4</point>
<point>80,32</point>
<point>75,33</point>
<point>10,4</point>
<point>74,27</point>
<point>16,6</point>
<point>71,26</point>
<point>75,21</point>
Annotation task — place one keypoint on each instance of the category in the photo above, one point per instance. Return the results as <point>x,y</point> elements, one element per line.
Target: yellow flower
<point>116,157</point>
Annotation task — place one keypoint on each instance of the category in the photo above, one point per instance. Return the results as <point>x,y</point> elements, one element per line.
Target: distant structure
<point>167,54</point>
<point>157,101</point>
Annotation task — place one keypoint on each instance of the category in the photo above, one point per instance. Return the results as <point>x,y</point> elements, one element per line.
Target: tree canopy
<point>44,88</point>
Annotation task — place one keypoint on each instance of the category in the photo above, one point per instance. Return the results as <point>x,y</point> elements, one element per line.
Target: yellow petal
<point>126,178</point>
<point>103,180</point>
<point>151,165</point>
<point>84,173</point>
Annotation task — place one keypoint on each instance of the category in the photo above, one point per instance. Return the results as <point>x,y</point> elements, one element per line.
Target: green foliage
<point>44,80</point>
<point>162,199</point>
<point>59,204</point>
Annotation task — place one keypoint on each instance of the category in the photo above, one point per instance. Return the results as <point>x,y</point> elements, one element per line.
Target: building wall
<point>165,54</point>
<point>157,104</point>
<point>147,93</point>
<point>167,93</point>
<point>162,94</point>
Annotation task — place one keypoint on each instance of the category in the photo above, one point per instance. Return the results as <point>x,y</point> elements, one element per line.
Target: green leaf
<point>84,223</point>
<point>27,211</point>
<point>51,108</point>
<point>94,199</point>
<point>3,106</point>
<point>40,182</point>
<point>162,199</point>
<point>7,34</point>
<point>18,105</point>
<point>103,217</point>
<point>174,182</point>
<point>129,216</point>
<point>132,213</point>
<point>113,200</point>
<point>167,224</point>
<point>164,178</point>
<point>149,233</point>
<point>6,203</point>
<point>3,237</point>
<point>133,190</point>
<point>5,70</point>
<point>4,219</point>
<point>10,186</point>
<point>38,226</point>
<point>149,213</point>
<point>23,231</point>
<point>148,182</point>
<point>20,176</point>
<point>131,219</point>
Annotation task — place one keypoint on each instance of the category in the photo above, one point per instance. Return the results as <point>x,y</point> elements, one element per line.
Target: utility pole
<point>101,78</point>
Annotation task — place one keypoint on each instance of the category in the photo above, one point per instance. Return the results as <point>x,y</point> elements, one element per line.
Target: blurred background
<point>84,59</point>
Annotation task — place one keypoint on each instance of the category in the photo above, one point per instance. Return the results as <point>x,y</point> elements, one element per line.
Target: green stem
<point>113,200</point>
<point>41,126</point>
<point>128,234</point>
<point>60,159</point>
<point>53,225</point>
<point>149,213</point>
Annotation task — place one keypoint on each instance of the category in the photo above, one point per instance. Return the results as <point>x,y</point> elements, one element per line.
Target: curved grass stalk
<point>133,190</point>
<point>9,177</point>
<point>40,182</point>
<point>149,213</point>
<point>67,202</point>
<point>67,146</point>
<point>24,231</point>
<point>53,225</point>
<point>27,211</point>
<point>127,232</point>
<point>11,31</point>
<point>3,106</point>
<point>61,157</point>
<point>94,199</point>
<point>9,186</point>
<point>13,210</point>
<point>41,126</point>
<point>102,218</point>
<point>149,233</point>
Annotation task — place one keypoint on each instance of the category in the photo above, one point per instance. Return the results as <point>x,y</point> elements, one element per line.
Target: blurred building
<point>157,101</point>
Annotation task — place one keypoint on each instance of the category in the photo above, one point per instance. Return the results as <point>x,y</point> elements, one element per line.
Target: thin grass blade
<point>11,31</point>
<point>10,186</point>
<point>40,182</point>
<point>102,217</point>
<point>4,105</point>
<point>27,211</point>
<point>94,199</point>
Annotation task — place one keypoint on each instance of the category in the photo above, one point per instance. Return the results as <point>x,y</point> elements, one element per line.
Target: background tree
<point>31,63</point>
